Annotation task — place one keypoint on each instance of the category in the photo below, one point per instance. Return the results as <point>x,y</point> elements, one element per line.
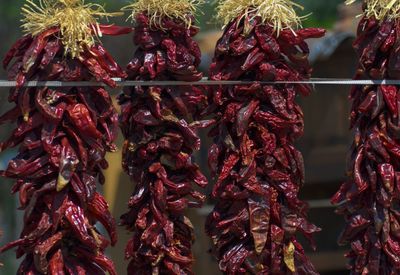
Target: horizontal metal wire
<point>313,204</point>
<point>204,81</point>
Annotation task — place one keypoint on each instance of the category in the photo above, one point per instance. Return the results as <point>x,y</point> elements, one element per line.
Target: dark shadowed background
<point>324,145</point>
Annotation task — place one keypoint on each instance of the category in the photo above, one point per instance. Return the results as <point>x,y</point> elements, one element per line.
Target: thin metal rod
<point>313,204</point>
<point>204,81</point>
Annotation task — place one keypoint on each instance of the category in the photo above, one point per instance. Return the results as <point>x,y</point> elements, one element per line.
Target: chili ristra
<point>369,199</point>
<point>62,136</point>
<point>258,170</point>
<point>159,125</point>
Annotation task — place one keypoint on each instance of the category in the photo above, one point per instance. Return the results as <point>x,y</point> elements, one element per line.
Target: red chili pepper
<point>63,135</point>
<point>159,125</point>
<point>369,197</point>
<point>258,171</point>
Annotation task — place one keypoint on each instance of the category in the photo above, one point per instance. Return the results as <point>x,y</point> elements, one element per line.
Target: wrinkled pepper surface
<point>369,199</point>
<point>159,124</point>
<point>257,168</point>
<point>62,135</point>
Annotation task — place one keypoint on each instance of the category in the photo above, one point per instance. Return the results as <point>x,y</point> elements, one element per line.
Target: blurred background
<point>325,144</point>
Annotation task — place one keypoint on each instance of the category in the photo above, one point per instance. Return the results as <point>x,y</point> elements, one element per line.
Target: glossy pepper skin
<point>369,200</point>
<point>258,170</point>
<point>62,135</point>
<point>159,125</point>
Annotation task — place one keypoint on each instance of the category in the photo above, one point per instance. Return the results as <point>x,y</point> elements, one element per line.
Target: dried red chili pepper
<point>368,199</point>
<point>62,135</point>
<point>258,170</point>
<point>159,125</point>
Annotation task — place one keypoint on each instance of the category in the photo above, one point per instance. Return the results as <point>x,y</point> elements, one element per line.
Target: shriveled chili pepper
<point>368,199</point>
<point>159,125</point>
<point>258,170</point>
<point>62,135</point>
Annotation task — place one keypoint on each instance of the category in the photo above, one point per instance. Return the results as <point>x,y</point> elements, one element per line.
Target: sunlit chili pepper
<point>259,172</point>
<point>159,125</point>
<point>62,135</point>
<point>368,199</point>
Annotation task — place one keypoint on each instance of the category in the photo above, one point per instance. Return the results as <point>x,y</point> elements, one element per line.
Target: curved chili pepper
<point>159,125</point>
<point>258,170</point>
<point>63,135</point>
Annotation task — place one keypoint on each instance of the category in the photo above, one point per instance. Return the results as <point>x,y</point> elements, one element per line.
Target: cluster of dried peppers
<point>258,170</point>
<point>159,124</point>
<point>370,198</point>
<point>62,135</point>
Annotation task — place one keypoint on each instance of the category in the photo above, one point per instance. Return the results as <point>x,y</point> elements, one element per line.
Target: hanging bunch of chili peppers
<point>159,124</point>
<point>62,135</point>
<point>370,198</point>
<point>258,170</point>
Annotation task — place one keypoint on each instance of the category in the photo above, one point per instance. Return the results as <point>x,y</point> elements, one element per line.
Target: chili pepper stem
<point>380,9</point>
<point>280,14</point>
<point>159,9</point>
<point>77,21</point>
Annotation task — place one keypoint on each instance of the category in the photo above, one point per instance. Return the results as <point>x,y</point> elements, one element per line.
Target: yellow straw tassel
<point>279,14</point>
<point>77,21</point>
<point>381,9</point>
<point>179,10</point>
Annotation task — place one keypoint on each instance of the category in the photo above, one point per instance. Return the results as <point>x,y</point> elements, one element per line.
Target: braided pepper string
<point>62,135</point>
<point>369,199</point>
<point>159,124</point>
<point>258,170</point>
